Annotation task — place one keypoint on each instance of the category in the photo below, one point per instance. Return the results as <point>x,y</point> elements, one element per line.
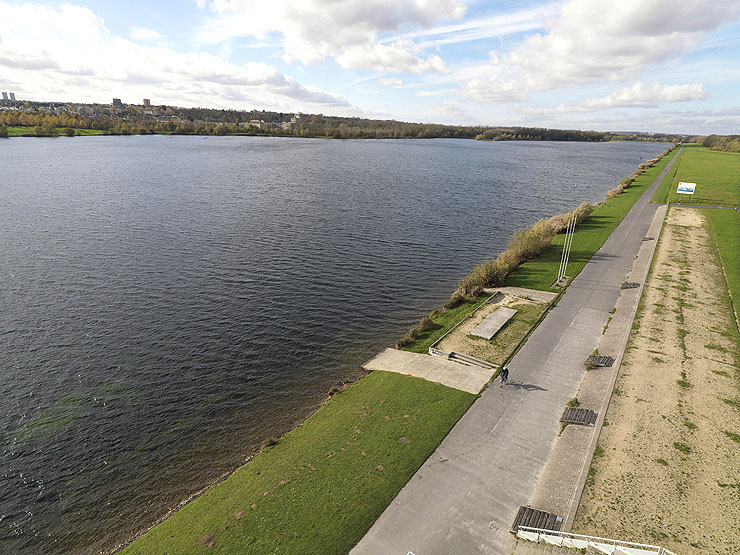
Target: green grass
<point>20,130</point>
<point>685,449</point>
<point>725,228</point>
<point>541,272</point>
<point>716,174</point>
<point>324,484</point>
<point>444,320</point>
<point>733,436</point>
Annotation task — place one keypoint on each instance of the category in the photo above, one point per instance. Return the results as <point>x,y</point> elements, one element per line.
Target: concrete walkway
<point>542,297</point>
<point>465,496</point>
<point>435,369</point>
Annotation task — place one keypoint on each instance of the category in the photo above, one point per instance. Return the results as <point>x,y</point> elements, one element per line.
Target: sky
<point>608,65</point>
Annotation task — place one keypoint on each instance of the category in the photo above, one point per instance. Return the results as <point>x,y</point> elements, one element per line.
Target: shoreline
<point>132,542</point>
<point>89,132</point>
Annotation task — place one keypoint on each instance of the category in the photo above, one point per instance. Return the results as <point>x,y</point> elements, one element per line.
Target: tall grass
<point>627,181</point>
<point>523,245</point>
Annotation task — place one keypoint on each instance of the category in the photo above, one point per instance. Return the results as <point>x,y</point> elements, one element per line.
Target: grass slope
<point>716,174</point>
<point>725,226</point>
<point>20,130</point>
<point>542,271</point>
<point>444,320</point>
<point>324,484</point>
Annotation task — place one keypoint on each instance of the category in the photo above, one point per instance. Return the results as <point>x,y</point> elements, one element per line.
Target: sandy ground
<point>670,469</point>
<point>500,346</point>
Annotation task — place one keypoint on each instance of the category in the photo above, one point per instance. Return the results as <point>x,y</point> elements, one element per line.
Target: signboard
<point>686,188</point>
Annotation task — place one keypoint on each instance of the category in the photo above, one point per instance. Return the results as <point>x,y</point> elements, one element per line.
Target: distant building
<point>12,97</point>
<point>256,123</point>
<point>147,102</point>
<point>5,96</point>
<point>117,102</point>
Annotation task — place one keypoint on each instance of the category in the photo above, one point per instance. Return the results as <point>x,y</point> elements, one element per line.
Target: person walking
<point>504,375</point>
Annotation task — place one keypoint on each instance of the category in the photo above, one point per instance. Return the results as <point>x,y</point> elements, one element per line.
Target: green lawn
<point>20,130</point>
<point>325,483</point>
<point>725,226</point>
<point>716,174</point>
<point>444,320</point>
<point>542,271</point>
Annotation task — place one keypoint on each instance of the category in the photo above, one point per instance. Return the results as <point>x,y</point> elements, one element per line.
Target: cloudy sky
<point>652,65</point>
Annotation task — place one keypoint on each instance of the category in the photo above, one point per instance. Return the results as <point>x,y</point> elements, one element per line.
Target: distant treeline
<point>541,134</point>
<point>728,143</point>
<point>47,118</point>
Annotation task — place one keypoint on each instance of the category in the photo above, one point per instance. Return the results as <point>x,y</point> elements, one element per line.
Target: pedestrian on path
<point>504,375</point>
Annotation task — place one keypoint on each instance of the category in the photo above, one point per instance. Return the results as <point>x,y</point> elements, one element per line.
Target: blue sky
<point>647,65</point>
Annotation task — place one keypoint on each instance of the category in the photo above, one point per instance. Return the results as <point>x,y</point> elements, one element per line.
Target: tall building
<point>147,102</point>
<point>5,95</point>
<point>12,97</point>
<point>117,102</point>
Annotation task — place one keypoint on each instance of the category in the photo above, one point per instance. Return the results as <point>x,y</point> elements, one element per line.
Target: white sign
<point>686,188</point>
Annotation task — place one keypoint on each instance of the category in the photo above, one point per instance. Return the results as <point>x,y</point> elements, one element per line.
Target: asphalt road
<point>466,495</point>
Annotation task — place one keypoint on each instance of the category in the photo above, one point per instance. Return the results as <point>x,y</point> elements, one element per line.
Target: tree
<point>3,132</point>
<point>69,132</point>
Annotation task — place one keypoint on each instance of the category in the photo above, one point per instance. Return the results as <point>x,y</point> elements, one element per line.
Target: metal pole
<point>561,270</point>
<point>562,255</point>
<point>570,244</point>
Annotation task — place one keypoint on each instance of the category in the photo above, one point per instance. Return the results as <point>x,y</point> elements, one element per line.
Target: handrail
<point>658,549</point>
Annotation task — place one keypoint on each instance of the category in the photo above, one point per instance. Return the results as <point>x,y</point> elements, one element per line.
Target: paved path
<point>465,496</point>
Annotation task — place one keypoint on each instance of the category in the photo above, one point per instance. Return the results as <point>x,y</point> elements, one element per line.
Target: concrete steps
<point>467,359</point>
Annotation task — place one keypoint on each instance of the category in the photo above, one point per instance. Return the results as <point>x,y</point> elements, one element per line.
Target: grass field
<point>443,321</point>
<point>323,485</point>
<point>716,174</point>
<point>725,226</point>
<point>542,272</point>
<point>19,131</point>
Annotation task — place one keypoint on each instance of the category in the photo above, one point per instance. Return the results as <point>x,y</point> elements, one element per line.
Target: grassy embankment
<point>20,131</point>
<point>323,484</point>
<point>715,174</point>
<point>725,226</point>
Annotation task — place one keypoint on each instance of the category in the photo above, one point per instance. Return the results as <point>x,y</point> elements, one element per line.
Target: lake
<point>170,302</point>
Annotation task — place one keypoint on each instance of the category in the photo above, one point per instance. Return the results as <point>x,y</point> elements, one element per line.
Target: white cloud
<point>453,112</point>
<point>390,81</point>
<point>498,25</point>
<point>395,58</point>
<point>643,95</point>
<point>611,40</point>
<point>143,34</point>
<point>68,53</point>
<point>494,89</point>
<point>638,95</point>
<point>346,30</point>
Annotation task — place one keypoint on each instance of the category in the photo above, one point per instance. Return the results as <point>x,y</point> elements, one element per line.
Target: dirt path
<point>667,469</point>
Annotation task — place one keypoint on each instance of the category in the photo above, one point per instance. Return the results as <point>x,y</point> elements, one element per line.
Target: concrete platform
<point>490,326</point>
<point>542,297</point>
<point>434,369</point>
